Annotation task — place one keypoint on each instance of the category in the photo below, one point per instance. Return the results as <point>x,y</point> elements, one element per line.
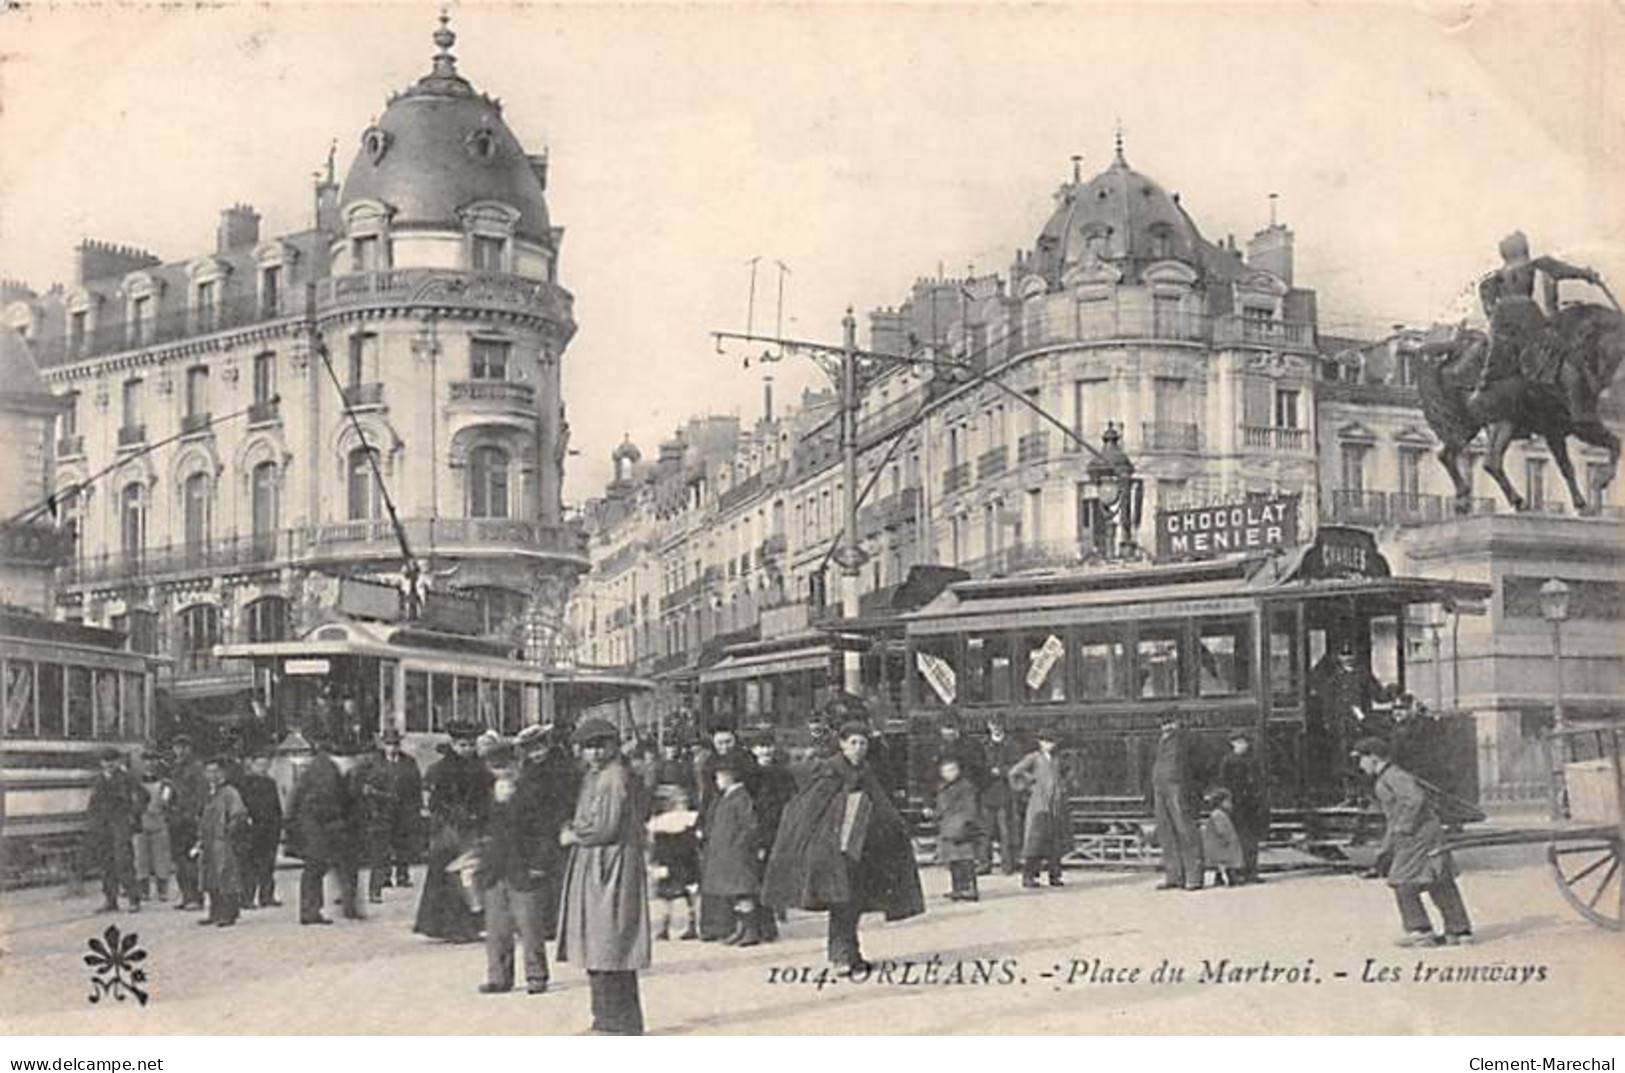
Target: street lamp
<point>1554,608</point>
<point>1112,494</point>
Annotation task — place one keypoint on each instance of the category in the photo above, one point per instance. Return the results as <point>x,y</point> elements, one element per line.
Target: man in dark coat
<point>188,791</point>
<point>113,815</point>
<point>775,786</point>
<point>1177,833</point>
<point>222,835</point>
<point>459,786</point>
<point>843,848</point>
<point>323,818</point>
<point>382,779</point>
<point>264,803</point>
<point>519,854</point>
<point>998,802</point>
<point>730,856</point>
<point>717,914</point>
<point>1413,847</point>
<point>1341,692</point>
<point>1250,812</point>
<point>549,780</point>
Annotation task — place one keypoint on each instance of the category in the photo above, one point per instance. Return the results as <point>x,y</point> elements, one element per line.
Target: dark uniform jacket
<point>1238,773</point>
<point>775,786</point>
<point>264,804</point>
<point>113,814</point>
<point>729,855</point>
<point>188,790</point>
<point>1000,756</point>
<point>749,771</point>
<point>808,867</point>
<point>522,837</point>
<point>459,797</point>
<point>322,812</point>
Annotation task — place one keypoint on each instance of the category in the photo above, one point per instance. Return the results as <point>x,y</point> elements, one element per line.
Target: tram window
<point>533,703</point>
<point>468,700</point>
<point>107,713</point>
<point>50,700</point>
<point>753,699</point>
<point>1386,657</point>
<point>443,714</point>
<point>1223,656</point>
<point>387,715</point>
<point>1043,667</point>
<point>1159,668</point>
<point>19,698</point>
<point>417,702</point>
<point>1102,667</point>
<point>936,682</point>
<point>1283,655</point>
<point>490,704</point>
<point>135,707</point>
<point>988,658</point>
<point>797,697</point>
<point>80,718</point>
<point>513,711</point>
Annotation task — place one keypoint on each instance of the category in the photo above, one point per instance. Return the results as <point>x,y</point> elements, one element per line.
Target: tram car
<point>1274,644</point>
<point>67,692</point>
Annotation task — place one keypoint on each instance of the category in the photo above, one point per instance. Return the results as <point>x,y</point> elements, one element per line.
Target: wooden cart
<point>1585,843</point>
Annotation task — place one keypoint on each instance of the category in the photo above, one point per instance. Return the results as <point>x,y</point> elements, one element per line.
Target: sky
<point>861,145</point>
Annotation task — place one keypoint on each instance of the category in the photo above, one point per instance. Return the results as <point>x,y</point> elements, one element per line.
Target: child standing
<point>730,869</point>
<point>675,856</point>
<point>1221,844</point>
<point>958,830</point>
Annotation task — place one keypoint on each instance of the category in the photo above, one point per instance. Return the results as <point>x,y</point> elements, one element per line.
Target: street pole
<point>1559,742</point>
<point>849,553</point>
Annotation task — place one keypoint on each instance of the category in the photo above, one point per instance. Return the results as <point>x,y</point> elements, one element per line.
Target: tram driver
<point>1341,691</point>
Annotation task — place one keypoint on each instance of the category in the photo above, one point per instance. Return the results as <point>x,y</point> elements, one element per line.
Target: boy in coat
<point>1413,845</point>
<point>958,829</point>
<point>843,848</point>
<point>222,833</point>
<point>604,910</point>
<point>264,803</point>
<point>117,802</point>
<point>731,849</point>
<point>1048,834</point>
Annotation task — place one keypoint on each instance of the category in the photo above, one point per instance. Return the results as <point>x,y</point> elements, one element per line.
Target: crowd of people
<point>605,847</point>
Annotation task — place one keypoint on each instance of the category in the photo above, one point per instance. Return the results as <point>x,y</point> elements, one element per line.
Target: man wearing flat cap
<point>604,910</point>
<point>391,796</point>
<point>843,848</point>
<point>113,816</point>
<point>1413,847</point>
<point>459,787</point>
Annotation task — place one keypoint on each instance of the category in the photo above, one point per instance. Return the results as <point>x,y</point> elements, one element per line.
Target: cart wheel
<point>1588,875</point>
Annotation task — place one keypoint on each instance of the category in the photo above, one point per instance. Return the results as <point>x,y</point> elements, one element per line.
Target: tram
<point>67,692</point>
<point>1244,642</point>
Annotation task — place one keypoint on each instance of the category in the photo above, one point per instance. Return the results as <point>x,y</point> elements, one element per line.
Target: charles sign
<point>1198,532</point>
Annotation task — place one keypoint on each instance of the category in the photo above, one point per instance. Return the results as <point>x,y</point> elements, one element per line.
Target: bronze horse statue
<point>1564,370</point>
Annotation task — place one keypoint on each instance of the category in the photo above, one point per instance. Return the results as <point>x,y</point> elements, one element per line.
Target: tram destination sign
<point>1200,532</point>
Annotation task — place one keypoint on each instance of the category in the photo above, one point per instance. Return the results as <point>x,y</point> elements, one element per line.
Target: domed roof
<point>1121,217</point>
<point>627,450</point>
<point>438,148</point>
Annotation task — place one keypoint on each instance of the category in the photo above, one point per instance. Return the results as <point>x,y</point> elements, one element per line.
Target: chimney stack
<point>95,260</point>
<point>239,229</point>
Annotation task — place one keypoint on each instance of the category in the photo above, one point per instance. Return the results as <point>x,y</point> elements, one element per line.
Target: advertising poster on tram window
<point>843,518</point>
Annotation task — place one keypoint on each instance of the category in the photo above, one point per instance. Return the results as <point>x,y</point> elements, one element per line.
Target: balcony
<point>132,435</point>
<point>358,396</point>
<point>375,538</point>
<point>1358,507</point>
<point>681,595</point>
<point>172,560</point>
<point>70,447</point>
<point>442,287</point>
<point>992,463</point>
<point>956,478</point>
<point>772,548</point>
<point>1270,438</point>
<point>501,393</point>
<point>196,424</point>
<point>1260,331</point>
<point>901,509</point>
<point>1051,324</point>
<point>1033,555</point>
<point>34,544</point>
<point>265,413</point>
<point>1170,436</point>
<point>1033,447</point>
<point>112,335</point>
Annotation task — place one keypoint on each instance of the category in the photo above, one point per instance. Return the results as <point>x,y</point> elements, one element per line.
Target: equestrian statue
<point>1533,374</point>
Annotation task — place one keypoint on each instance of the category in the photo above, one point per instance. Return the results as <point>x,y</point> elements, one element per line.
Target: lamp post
<point>1554,608</point>
<point>1113,498</point>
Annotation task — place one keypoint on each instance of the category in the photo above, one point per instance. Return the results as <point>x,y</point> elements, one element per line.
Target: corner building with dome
<point>425,294</point>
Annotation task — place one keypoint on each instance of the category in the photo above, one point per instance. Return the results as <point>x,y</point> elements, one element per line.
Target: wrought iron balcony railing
<point>194,424</point>
<point>268,412</point>
<point>511,392</point>
<point>70,447</point>
<point>992,463</point>
<point>956,478</point>
<point>132,435</point>
<point>370,394</point>
<point>1171,436</point>
<point>1033,447</point>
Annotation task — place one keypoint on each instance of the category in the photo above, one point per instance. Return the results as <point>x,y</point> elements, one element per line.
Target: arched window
<point>195,508</point>
<point>265,507</point>
<point>198,633</point>
<point>132,520</point>
<point>488,483</point>
<point>266,619</point>
<point>363,485</point>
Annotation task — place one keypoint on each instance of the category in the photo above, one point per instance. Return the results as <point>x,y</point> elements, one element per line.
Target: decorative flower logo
<point>114,958</point>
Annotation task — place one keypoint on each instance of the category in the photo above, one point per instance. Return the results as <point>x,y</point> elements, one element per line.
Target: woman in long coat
<point>843,847</point>
<point>222,836</point>
<point>604,907</point>
<point>459,803</point>
<point>1047,834</point>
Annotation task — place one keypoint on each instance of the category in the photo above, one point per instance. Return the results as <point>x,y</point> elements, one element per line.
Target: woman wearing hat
<point>459,801</point>
<point>843,847</point>
<point>604,907</point>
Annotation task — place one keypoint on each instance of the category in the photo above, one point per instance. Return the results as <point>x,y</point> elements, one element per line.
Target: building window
<point>199,633</point>
<point>264,379</point>
<point>265,506</point>
<point>271,290</point>
<point>365,251</point>
<point>132,403</point>
<point>362,484</point>
<point>486,253</point>
<point>362,358</point>
<point>140,320</point>
<point>489,359</point>
<point>195,509</point>
<point>1286,408</point>
<point>1353,458</point>
<point>67,421</point>
<point>208,304</point>
<point>266,619</point>
<point>488,483</point>
<point>78,324</point>
<point>197,391</point>
<point>133,520</point>
<point>1410,472</point>
<point>1534,470</point>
